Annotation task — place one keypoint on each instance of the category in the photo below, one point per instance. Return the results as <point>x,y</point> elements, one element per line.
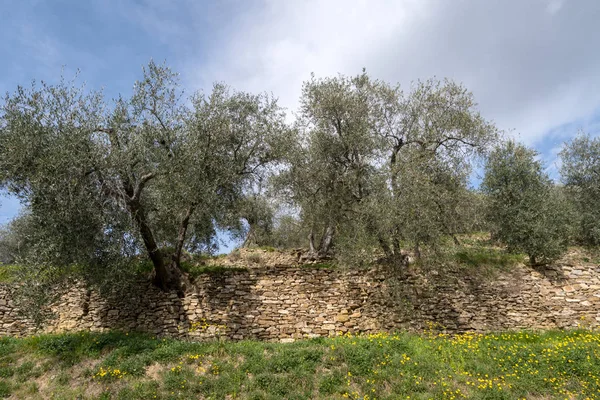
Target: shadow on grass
<point>194,271</point>
<point>487,257</point>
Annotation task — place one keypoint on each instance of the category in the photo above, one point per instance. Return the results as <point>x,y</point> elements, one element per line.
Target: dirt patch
<point>153,371</point>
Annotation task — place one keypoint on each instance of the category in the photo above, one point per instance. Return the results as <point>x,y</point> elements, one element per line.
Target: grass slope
<point>562,365</point>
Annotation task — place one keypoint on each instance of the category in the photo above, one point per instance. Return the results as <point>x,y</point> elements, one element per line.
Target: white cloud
<point>532,65</point>
<point>554,6</point>
<point>275,47</point>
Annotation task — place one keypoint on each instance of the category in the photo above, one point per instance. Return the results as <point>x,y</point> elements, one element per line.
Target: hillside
<point>529,365</point>
<point>424,364</point>
<point>262,294</point>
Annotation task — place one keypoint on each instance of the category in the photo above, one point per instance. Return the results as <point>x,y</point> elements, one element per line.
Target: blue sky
<point>532,65</point>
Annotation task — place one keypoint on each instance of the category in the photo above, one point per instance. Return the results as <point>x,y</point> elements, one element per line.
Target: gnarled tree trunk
<point>162,271</point>
<point>326,241</point>
<point>251,239</point>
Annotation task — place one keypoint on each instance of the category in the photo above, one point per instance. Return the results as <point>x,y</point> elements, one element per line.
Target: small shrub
<point>478,256</point>
<point>143,267</point>
<point>6,372</point>
<point>7,346</point>
<point>24,371</point>
<point>63,378</point>
<point>235,255</point>
<point>186,266</point>
<point>268,249</point>
<point>8,273</point>
<point>5,389</point>
<point>254,258</point>
<point>331,383</point>
<point>140,390</point>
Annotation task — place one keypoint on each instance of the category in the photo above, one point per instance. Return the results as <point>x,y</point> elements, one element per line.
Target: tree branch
<point>183,226</point>
<point>138,189</point>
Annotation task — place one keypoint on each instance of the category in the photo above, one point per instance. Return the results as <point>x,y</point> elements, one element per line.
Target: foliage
<point>197,270</point>
<point>5,389</point>
<point>8,273</point>
<point>472,209</point>
<point>527,213</point>
<point>480,256</point>
<point>16,239</point>
<point>512,365</point>
<point>145,173</point>
<point>331,164</point>
<point>268,249</point>
<point>289,232</point>
<point>254,258</point>
<point>374,166</point>
<point>580,171</point>
<point>258,213</point>
<point>367,171</point>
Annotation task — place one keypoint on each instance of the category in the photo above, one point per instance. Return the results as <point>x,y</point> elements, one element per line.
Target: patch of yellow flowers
<point>512,355</point>
<point>108,373</point>
<point>203,325</point>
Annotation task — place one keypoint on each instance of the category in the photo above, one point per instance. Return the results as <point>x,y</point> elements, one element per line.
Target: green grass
<point>5,389</point>
<point>268,249</point>
<point>197,270</point>
<point>318,266</point>
<point>430,366</point>
<point>482,256</point>
<point>7,275</point>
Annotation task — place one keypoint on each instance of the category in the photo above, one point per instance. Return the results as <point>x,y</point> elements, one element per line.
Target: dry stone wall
<point>287,303</point>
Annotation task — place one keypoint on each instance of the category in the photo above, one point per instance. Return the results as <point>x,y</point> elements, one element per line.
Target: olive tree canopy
<point>580,171</point>
<point>151,172</point>
<point>376,166</point>
<point>527,212</point>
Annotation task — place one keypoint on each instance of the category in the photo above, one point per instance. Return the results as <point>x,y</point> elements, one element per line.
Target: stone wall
<point>285,303</point>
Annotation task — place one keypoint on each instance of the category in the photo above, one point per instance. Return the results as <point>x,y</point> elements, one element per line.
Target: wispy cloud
<point>43,49</point>
<point>530,64</point>
<point>554,6</point>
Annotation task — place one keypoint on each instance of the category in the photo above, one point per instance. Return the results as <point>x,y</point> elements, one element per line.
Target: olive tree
<point>258,213</point>
<point>526,211</point>
<point>580,171</point>
<point>431,136</point>
<point>155,171</point>
<point>426,209</point>
<point>382,166</point>
<point>331,165</point>
<point>16,239</point>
